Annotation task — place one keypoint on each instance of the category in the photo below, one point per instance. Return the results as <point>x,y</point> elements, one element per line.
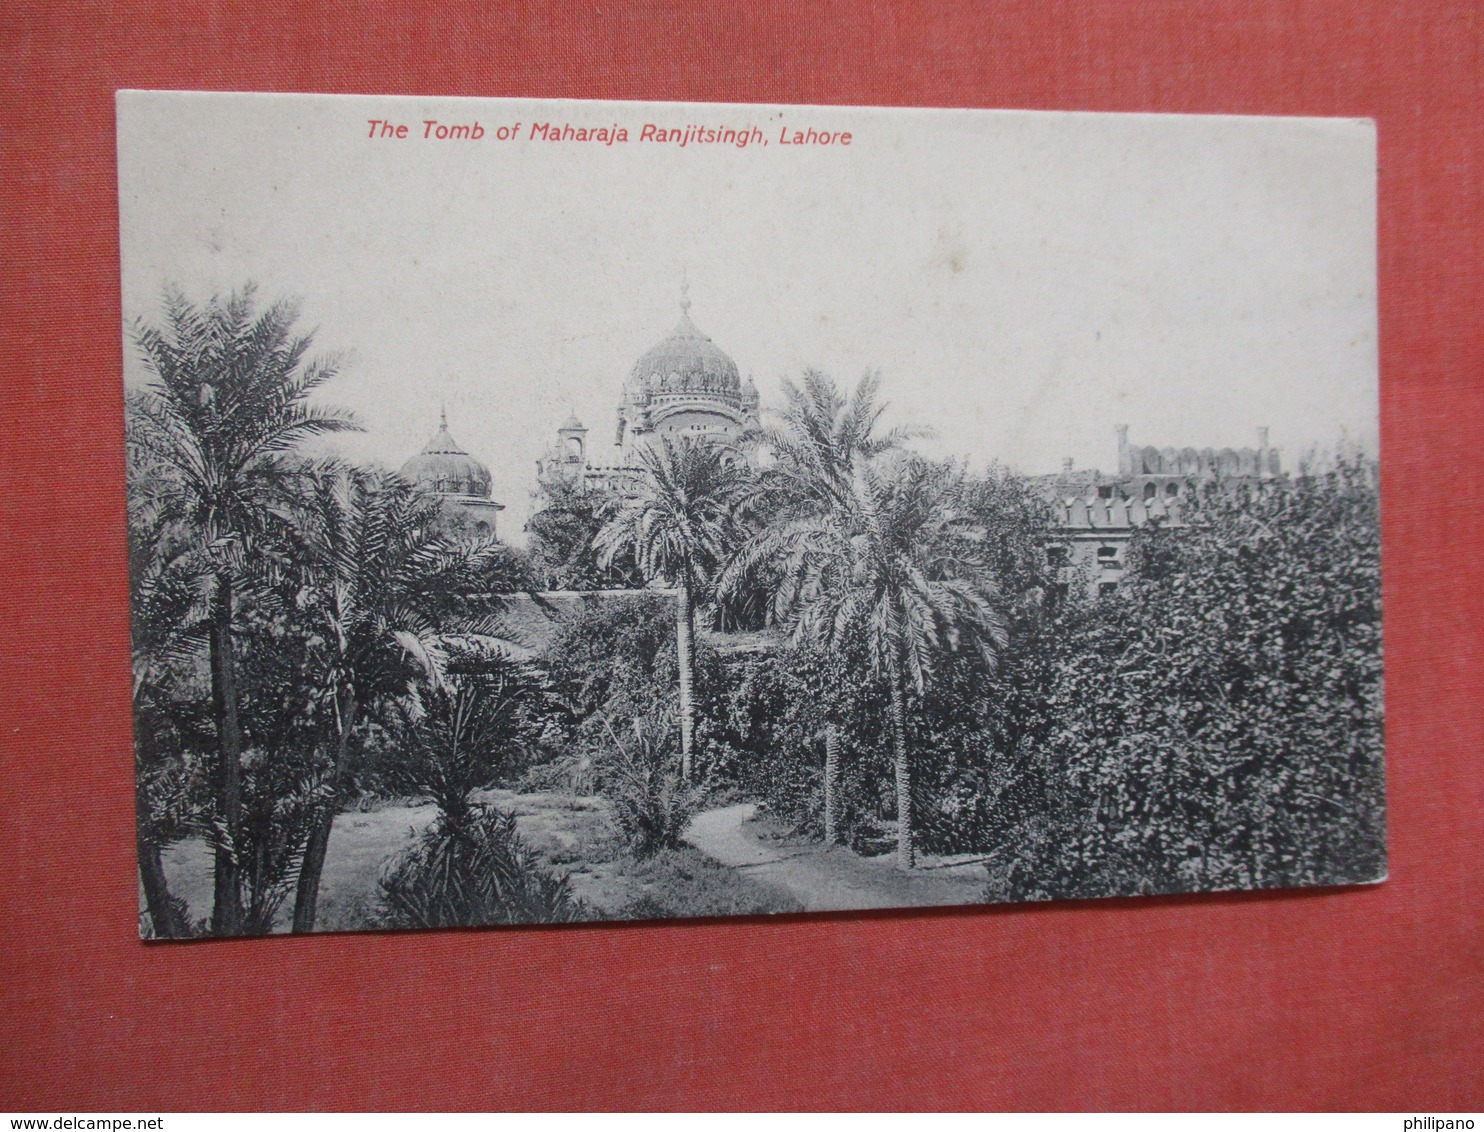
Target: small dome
<point>687,360</point>
<point>443,467</point>
<point>573,424</point>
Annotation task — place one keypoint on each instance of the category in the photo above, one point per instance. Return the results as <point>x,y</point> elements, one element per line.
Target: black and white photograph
<point>550,512</point>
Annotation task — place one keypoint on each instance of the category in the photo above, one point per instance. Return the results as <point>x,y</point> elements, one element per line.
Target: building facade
<point>1096,513</point>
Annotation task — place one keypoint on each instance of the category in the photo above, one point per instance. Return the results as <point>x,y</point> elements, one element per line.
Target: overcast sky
<point>1023,281</point>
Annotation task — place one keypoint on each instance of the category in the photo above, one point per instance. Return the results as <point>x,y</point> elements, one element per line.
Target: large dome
<point>444,467</point>
<point>686,361</point>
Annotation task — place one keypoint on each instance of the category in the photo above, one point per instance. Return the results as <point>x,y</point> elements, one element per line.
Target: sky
<point>1024,282</point>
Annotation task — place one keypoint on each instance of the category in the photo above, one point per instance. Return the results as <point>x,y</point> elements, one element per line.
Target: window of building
<point>1057,556</point>
<point>1108,557</point>
<point>1150,491</point>
<point>1172,489</point>
<point>1105,491</point>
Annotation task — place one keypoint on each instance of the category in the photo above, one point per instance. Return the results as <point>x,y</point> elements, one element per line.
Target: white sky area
<point>1023,281</point>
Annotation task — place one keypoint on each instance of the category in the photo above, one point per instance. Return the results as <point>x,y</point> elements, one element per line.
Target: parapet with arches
<point>1096,513</point>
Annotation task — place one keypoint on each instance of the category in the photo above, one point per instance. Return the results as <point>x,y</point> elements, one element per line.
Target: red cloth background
<point>1363,999</point>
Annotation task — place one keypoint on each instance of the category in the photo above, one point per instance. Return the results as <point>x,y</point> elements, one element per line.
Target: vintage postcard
<point>561,511</point>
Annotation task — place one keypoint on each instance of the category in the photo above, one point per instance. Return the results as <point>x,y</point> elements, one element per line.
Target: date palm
<point>883,569</point>
<point>679,521</point>
<point>376,575</point>
<point>228,400</point>
<point>168,625</point>
<point>819,441</point>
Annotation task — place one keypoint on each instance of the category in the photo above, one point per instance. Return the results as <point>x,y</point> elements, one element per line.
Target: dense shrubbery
<point>765,730</point>
<point>471,710</point>
<point>561,534</point>
<point>613,665</point>
<point>614,655</point>
<point>1218,722</point>
<point>763,726</point>
<point>967,728</point>
<point>470,714</point>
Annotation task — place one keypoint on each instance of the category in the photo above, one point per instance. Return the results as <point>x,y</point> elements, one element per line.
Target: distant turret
<point>572,440</point>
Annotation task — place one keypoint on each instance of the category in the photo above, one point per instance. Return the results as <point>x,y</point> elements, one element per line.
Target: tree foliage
<point>375,566</point>
<point>562,538</point>
<point>859,545</point>
<point>1219,723</point>
<point>230,397</point>
<point>637,768</point>
<point>471,712</point>
<point>614,656</point>
<point>679,521</point>
<point>472,708</point>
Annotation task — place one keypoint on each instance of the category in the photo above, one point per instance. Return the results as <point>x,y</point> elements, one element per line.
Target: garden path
<point>831,879</point>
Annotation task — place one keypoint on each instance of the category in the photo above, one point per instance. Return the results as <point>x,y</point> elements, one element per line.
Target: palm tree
<point>167,628</point>
<point>376,574</point>
<point>474,701</point>
<point>820,438</point>
<point>679,522</point>
<point>883,569</point>
<point>228,401</point>
<point>819,441</point>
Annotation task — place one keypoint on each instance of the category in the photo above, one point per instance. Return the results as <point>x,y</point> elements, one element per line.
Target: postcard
<point>545,512</point>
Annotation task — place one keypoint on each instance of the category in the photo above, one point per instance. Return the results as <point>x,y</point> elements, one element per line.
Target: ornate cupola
<point>446,469</point>
<point>687,361</point>
<point>461,481</point>
<point>572,441</point>
<point>684,385</point>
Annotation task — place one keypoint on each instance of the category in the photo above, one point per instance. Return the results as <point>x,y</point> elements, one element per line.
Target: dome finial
<point>443,414</point>
<point>684,292</point>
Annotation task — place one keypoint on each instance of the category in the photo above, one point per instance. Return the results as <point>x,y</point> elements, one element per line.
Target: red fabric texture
<point>1350,999</point>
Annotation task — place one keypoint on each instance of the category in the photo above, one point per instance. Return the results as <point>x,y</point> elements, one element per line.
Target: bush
<point>684,883</point>
<point>638,773</point>
<point>473,872</point>
<point>762,725</point>
<point>614,655</point>
<point>455,735</point>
